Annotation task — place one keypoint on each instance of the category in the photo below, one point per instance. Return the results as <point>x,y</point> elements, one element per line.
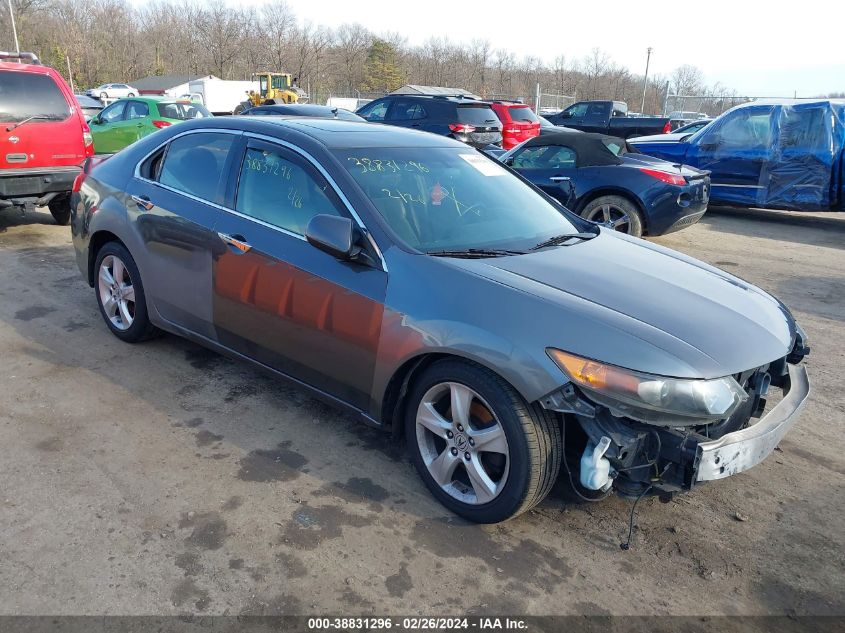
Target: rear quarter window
<point>25,94</point>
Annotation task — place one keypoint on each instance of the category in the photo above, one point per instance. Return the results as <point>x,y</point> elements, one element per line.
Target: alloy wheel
<point>611,216</point>
<point>116,292</point>
<point>462,443</point>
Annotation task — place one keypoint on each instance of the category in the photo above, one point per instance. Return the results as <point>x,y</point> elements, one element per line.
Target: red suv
<point>519,123</point>
<point>43,137</point>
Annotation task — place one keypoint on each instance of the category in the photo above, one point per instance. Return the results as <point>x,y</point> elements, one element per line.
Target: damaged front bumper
<point>738,451</point>
<point>634,457</point>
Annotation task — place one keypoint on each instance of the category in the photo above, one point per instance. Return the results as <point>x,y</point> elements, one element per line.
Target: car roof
<point>27,68</point>
<point>302,109</point>
<point>447,98</point>
<point>331,133</point>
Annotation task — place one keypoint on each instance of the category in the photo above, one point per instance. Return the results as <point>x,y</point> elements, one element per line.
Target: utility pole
<point>14,28</point>
<point>645,78</point>
<point>69,73</point>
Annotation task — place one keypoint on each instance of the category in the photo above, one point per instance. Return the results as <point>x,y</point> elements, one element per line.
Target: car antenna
<point>627,544</point>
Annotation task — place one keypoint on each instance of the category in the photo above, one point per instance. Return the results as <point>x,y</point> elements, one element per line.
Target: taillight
<point>88,140</point>
<point>665,176</point>
<point>160,124</point>
<point>667,128</point>
<point>461,128</point>
<point>511,130</point>
<point>87,166</point>
<point>77,182</point>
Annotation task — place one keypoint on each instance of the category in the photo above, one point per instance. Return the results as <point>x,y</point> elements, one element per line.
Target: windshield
<point>25,95</point>
<point>182,110</point>
<point>454,199</point>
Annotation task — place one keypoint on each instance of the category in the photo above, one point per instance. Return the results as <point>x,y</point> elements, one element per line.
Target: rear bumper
<point>740,450</point>
<point>22,186</point>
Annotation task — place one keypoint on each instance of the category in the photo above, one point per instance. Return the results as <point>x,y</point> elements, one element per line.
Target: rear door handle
<point>560,178</point>
<point>143,202</point>
<point>237,242</point>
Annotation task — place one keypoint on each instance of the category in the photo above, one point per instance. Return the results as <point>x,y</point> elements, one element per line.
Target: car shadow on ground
<point>12,218</point>
<point>816,229</point>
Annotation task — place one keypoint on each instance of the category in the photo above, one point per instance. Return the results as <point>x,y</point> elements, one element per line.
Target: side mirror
<point>96,120</point>
<point>333,235</point>
<point>509,161</point>
<point>711,141</point>
<point>566,114</point>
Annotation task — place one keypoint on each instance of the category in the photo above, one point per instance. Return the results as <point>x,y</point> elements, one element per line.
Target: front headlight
<point>652,399</point>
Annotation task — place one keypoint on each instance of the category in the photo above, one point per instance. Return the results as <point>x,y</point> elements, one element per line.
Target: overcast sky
<point>758,48</point>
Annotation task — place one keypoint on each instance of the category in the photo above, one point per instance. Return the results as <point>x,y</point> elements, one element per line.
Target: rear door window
<point>599,111</point>
<point>137,110</point>
<point>405,110</point>
<point>194,163</point>
<point>25,94</point>
<point>279,188</point>
<point>804,128</point>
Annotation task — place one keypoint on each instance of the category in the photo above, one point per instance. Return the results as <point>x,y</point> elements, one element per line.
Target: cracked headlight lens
<point>652,399</point>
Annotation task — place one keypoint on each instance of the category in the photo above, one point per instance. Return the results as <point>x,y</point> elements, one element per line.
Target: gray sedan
<point>434,293</point>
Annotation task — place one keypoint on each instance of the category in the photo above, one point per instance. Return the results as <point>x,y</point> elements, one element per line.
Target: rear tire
<point>60,210</point>
<point>120,294</point>
<point>615,212</point>
<point>504,458</point>
<point>131,94</point>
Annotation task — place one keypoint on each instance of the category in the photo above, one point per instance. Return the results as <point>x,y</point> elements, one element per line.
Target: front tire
<point>103,95</point>
<point>491,460</point>
<point>131,94</point>
<point>120,294</point>
<point>615,212</point>
<point>60,210</point>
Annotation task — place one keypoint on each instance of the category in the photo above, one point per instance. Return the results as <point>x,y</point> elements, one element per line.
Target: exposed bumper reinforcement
<point>738,451</point>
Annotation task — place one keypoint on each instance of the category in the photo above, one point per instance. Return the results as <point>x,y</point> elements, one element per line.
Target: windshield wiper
<point>558,240</point>
<point>475,253</point>
<point>27,120</point>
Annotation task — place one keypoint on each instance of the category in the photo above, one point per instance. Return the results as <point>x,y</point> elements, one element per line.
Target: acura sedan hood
<point>714,322</point>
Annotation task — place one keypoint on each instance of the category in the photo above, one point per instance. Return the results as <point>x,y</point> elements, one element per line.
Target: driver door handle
<point>143,202</point>
<point>560,178</point>
<point>237,242</point>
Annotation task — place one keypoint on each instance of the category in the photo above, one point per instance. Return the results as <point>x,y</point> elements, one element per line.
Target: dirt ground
<point>165,479</point>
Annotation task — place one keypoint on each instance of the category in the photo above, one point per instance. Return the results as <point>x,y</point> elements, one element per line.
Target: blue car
<point>778,154</point>
<point>606,181</point>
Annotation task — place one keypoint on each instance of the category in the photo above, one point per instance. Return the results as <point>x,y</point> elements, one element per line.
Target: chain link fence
<point>549,103</point>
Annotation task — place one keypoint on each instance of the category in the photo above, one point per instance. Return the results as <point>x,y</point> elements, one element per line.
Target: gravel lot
<point>165,479</point>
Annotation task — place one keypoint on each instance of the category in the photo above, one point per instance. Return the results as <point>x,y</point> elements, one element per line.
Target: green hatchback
<point>127,120</point>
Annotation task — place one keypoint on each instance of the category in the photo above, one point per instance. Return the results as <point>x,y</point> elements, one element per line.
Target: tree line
<point>113,41</point>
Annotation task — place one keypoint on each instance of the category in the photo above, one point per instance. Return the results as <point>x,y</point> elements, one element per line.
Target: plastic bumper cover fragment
<point>738,451</point>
